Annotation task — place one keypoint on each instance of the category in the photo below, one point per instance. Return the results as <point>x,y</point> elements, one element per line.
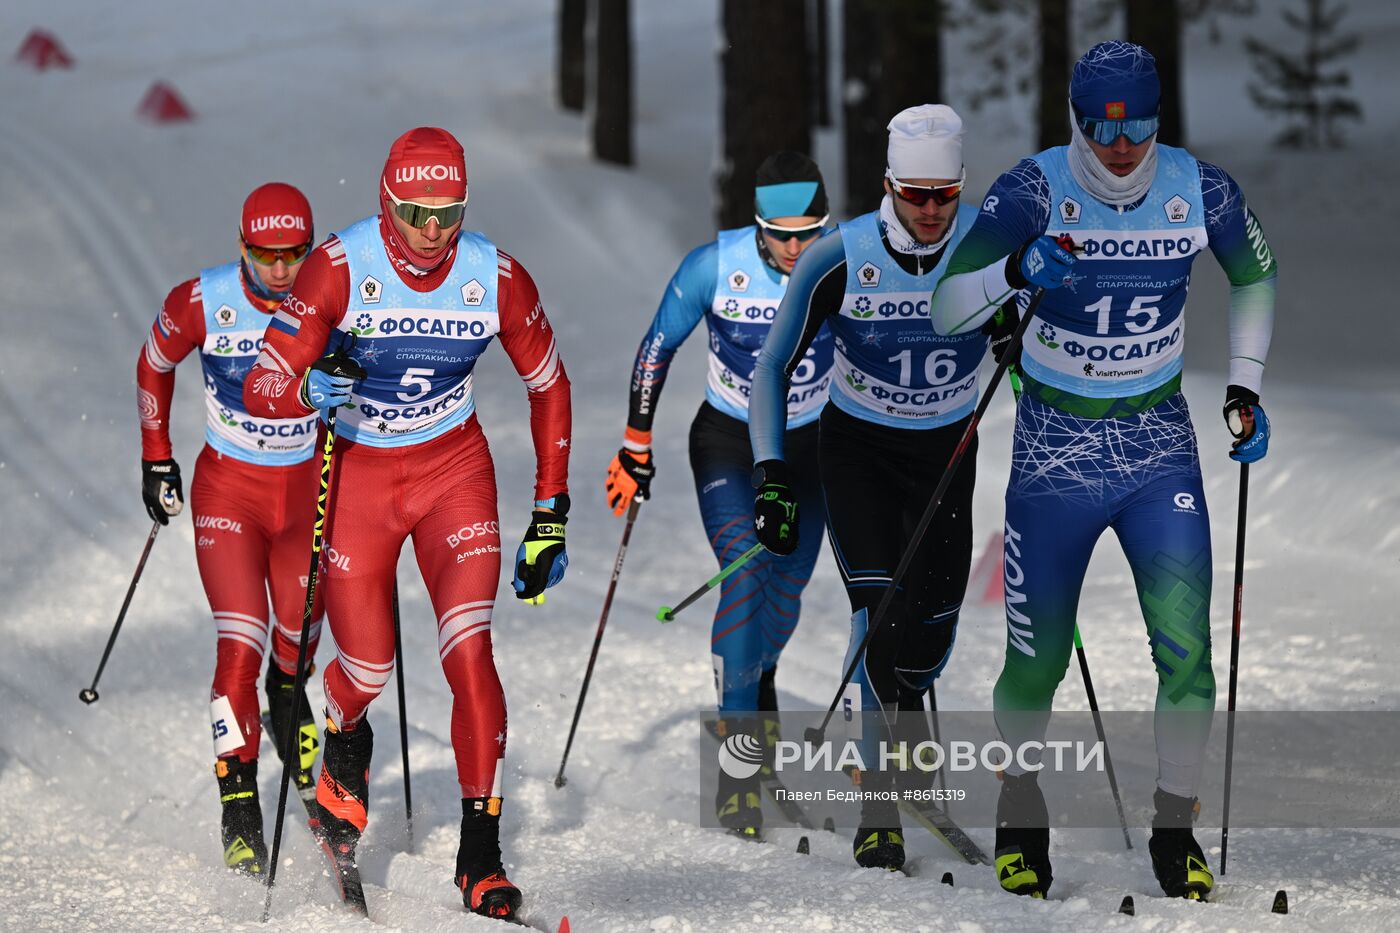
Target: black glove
<point>1000,327</point>
<point>161,489</point>
<point>774,508</point>
<point>540,561</point>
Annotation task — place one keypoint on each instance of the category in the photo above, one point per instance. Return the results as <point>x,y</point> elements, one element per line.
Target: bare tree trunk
<point>893,59</point>
<point>911,44</point>
<point>1156,26</point>
<point>612,110</point>
<point>573,20</point>
<point>766,99</point>
<point>821,54</point>
<point>860,102</point>
<point>1053,110</point>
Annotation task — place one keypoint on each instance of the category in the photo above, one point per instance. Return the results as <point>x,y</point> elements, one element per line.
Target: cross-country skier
<point>423,298</point>
<point>253,484</point>
<point>900,400</point>
<point>734,283</point>
<point>1103,438</point>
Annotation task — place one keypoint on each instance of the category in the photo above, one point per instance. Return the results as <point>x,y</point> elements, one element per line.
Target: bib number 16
<point>940,366</point>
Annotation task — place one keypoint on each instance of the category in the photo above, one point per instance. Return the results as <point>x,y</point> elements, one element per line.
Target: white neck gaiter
<point>902,240</point>
<point>1095,178</point>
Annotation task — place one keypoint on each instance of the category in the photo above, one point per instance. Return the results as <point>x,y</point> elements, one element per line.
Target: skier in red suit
<point>251,496</point>
<point>416,299</point>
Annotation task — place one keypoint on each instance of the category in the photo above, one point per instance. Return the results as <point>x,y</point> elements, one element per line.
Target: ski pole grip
<point>344,365</point>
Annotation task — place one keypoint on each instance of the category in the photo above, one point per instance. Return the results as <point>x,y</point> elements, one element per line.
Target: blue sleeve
<point>975,285</point>
<point>1015,209</point>
<point>813,294</point>
<point>1237,240</point>
<point>688,296</point>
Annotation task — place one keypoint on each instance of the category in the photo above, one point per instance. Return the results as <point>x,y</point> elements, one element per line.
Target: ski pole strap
<point>667,614</point>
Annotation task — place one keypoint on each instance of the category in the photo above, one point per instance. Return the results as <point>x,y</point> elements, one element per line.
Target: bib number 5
<point>416,379</point>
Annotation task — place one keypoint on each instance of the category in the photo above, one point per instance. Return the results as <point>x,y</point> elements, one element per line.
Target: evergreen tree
<point>1301,86</point>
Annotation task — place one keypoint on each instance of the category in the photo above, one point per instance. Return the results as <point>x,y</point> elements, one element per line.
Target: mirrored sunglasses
<point>417,215</point>
<point>267,256</point>
<point>919,195</point>
<point>800,234</point>
<point>1106,132</point>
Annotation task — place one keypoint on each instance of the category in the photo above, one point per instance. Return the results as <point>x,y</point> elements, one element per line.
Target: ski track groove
<point>113,245</point>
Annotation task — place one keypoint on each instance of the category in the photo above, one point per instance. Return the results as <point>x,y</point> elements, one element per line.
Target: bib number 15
<point>1140,317</point>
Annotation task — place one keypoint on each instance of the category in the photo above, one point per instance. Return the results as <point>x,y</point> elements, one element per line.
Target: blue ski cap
<point>1115,80</point>
<point>788,184</point>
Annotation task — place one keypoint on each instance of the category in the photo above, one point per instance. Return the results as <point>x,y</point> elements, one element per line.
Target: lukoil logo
<point>740,756</point>
<point>277,222</point>
<point>427,173</point>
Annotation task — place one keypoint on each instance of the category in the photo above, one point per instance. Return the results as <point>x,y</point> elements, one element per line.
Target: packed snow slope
<point>108,813</point>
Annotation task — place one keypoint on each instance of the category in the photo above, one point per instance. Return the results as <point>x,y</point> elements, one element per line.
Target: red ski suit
<point>252,523</point>
<point>440,491</point>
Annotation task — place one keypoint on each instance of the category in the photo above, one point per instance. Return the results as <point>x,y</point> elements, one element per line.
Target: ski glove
<point>774,508</point>
<point>540,560</point>
<point>629,477</point>
<point>1245,418</point>
<point>1043,262</point>
<point>1000,327</point>
<point>329,381</point>
<point>161,489</point>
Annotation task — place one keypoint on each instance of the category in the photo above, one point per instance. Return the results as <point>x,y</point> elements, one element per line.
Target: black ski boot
<point>1177,859</point>
<point>879,842</point>
<point>1023,837</point>
<point>284,709</point>
<point>738,800</point>
<point>342,793</point>
<point>244,849</point>
<point>879,848</point>
<point>480,877</point>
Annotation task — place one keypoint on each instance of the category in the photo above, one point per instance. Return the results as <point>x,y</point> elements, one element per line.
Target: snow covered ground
<point>108,816</point>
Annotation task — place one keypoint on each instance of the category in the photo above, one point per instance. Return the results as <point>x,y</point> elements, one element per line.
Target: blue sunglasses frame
<point>1105,132</point>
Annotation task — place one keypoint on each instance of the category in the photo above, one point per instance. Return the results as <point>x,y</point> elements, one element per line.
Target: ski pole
<point>403,718</point>
<point>89,694</point>
<point>345,367</point>
<point>559,779</point>
<point>937,737</point>
<point>815,734</point>
<point>1098,727</point>
<point>667,614</point>
<point>1234,662</point>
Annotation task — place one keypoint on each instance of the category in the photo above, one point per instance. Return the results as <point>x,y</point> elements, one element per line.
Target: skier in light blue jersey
<point>900,400</point>
<point>1103,438</point>
<point>734,284</point>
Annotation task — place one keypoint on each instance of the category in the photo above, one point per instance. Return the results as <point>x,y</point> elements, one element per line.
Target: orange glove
<point>629,477</point>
